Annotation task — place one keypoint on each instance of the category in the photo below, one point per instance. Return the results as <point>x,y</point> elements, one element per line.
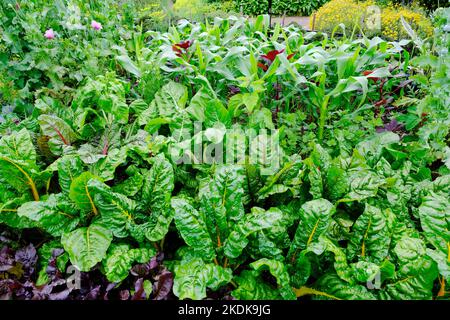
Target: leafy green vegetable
<point>87,246</point>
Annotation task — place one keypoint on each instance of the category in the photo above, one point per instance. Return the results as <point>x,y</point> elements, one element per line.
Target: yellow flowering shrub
<point>335,12</point>
<point>391,25</point>
<point>352,13</point>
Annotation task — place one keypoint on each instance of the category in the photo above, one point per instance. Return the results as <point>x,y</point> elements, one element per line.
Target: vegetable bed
<point>224,160</point>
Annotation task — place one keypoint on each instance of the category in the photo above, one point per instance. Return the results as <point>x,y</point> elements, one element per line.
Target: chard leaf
<point>221,200</point>
<point>106,166</point>
<point>69,167</point>
<point>251,287</point>
<point>337,183</point>
<point>116,209</point>
<point>370,237</point>
<point>171,98</point>
<point>120,258</point>
<point>8,210</point>
<point>278,270</point>
<point>363,184</point>
<point>442,262</point>
<point>192,227</point>
<point>194,276</point>
<point>87,246</point>
<point>372,148</point>
<point>434,213</point>
<point>332,285</point>
<point>257,220</point>
<point>315,218</point>
<point>18,162</point>
<point>56,215</point>
<point>80,194</point>
<point>158,185</point>
<point>414,281</point>
<point>59,131</point>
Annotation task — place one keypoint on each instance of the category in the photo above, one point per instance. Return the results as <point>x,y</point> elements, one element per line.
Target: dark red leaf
<point>271,55</point>
<point>368,72</point>
<point>262,66</point>
<point>184,45</point>
<point>162,285</point>
<point>139,292</point>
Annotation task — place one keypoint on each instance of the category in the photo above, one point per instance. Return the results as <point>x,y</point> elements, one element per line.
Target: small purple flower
<point>49,34</point>
<point>96,25</point>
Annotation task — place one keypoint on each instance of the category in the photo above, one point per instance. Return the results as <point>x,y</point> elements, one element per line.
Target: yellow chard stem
<point>30,181</point>
<point>303,291</point>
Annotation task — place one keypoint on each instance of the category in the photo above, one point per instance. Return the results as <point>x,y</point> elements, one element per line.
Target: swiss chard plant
<point>158,166</point>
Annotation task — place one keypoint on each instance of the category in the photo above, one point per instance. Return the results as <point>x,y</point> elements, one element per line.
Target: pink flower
<point>49,34</point>
<point>96,25</point>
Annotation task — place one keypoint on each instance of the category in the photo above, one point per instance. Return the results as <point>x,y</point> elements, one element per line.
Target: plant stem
<point>303,291</point>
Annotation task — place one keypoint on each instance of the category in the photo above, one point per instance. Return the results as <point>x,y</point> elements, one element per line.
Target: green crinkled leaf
<point>332,285</point>
<point>434,213</point>
<point>171,98</point>
<point>69,167</point>
<point>251,287</point>
<point>155,228</point>
<point>442,262</point>
<point>414,281</point>
<point>370,236</point>
<point>372,148</point>
<point>340,264</point>
<point>287,178</point>
<point>301,269</point>
<point>228,181</point>
<point>106,166</point>
<point>131,186</point>
<point>257,220</point>
<point>365,271</point>
<point>8,209</point>
<point>56,215</point>
<point>221,200</point>
<point>194,276</point>
<point>262,245</point>
<point>18,162</point>
<point>315,179</point>
<point>315,218</point>
<point>215,112</point>
<point>337,183</point>
<point>192,227</point>
<point>59,132</point>
<point>278,270</point>
<point>116,210</point>
<point>80,194</point>
<point>363,184</point>
<point>158,185</point>
<point>120,259</point>
<point>409,249</point>
<point>18,146</point>
<point>87,246</point>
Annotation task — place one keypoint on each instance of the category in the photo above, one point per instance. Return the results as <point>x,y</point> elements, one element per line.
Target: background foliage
<point>93,123</point>
<point>279,7</point>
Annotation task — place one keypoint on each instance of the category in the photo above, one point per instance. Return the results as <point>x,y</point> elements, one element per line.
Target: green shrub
<point>430,5</point>
<point>279,7</point>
